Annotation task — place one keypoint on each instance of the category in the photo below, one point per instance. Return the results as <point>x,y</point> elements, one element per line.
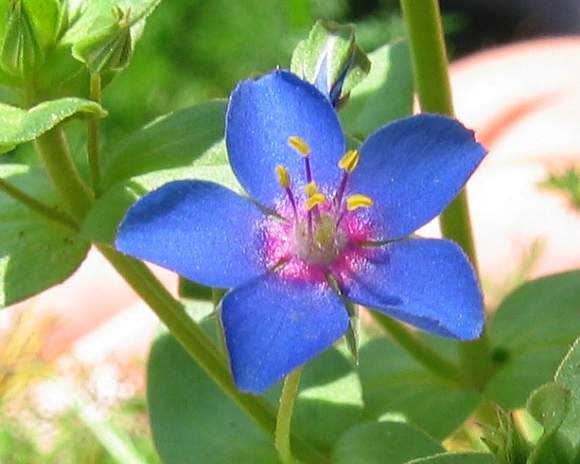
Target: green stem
<point>198,344</point>
<point>37,206</point>
<point>419,350</point>
<point>94,125</point>
<point>427,44</point>
<point>284,419</point>
<point>53,151</point>
<point>55,155</point>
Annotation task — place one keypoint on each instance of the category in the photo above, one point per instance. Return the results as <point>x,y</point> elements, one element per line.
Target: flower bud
<point>330,59</point>
<point>109,49</point>
<point>22,51</point>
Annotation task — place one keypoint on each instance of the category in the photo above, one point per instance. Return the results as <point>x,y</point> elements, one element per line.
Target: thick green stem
<point>429,57</point>
<point>54,153</point>
<point>32,203</point>
<point>94,125</point>
<point>284,419</point>
<point>198,345</point>
<point>419,350</point>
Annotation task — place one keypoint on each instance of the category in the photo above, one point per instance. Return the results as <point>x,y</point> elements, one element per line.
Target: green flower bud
<point>21,53</point>
<point>506,441</point>
<point>109,49</point>
<point>330,59</point>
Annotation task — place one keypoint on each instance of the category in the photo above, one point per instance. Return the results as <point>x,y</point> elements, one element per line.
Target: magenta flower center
<point>316,232</point>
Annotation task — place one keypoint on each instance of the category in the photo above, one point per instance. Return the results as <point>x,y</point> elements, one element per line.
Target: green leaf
<point>530,334</point>
<point>385,94</point>
<point>193,421</point>
<point>329,401</point>
<point>456,458</point>
<point>549,406</point>
<point>35,254</point>
<point>330,51</point>
<point>568,377</point>
<point>102,221</point>
<point>18,126</point>
<point>187,144</point>
<point>179,139</point>
<point>395,385</point>
<point>383,443</point>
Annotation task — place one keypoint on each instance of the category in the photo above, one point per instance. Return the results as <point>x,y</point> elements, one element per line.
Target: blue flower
<point>318,212</point>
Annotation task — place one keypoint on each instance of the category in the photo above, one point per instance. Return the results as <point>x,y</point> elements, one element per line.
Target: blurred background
<point>59,346</point>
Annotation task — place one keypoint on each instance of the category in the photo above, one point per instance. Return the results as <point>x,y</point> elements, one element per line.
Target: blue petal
<point>262,114</point>
<point>428,283</point>
<point>272,326</point>
<point>412,169</point>
<point>200,230</point>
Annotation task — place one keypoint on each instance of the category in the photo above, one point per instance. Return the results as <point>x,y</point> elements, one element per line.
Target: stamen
<point>311,188</point>
<point>349,161</point>
<point>303,149</point>
<point>299,145</point>
<point>283,178</point>
<point>315,200</point>
<point>357,201</point>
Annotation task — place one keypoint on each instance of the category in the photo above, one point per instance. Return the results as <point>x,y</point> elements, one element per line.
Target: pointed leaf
<point>568,376</point>
<point>35,254</point>
<point>456,458</point>
<point>18,126</point>
<point>530,333</point>
<point>384,95</point>
<point>383,443</point>
<point>193,421</point>
<point>395,384</point>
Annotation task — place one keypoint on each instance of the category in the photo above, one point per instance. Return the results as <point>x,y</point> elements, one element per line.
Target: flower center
<point>317,229</point>
<point>325,242</point>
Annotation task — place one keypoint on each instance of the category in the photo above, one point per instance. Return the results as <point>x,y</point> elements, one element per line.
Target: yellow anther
<point>311,189</point>
<point>315,200</point>
<point>349,161</point>
<point>299,145</point>
<point>357,201</point>
<point>283,176</point>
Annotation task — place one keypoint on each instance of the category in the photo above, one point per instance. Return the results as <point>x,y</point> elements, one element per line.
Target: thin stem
<point>419,350</point>
<point>53,151</point>
<point>425,33</point>
<point>55,155</point>
<point>198,344</point>
<point>37,206</point>
<point>284,419</point>
<point>94,126</point>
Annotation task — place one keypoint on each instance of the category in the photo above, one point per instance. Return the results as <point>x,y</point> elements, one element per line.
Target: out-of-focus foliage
<point>567,183</point>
